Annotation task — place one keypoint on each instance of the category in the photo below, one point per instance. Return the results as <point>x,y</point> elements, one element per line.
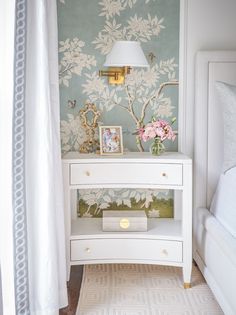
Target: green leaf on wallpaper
<point>159,208</point>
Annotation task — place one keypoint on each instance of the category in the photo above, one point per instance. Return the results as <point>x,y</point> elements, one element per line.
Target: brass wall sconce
<point>123,56</point>
<point>115,75</point>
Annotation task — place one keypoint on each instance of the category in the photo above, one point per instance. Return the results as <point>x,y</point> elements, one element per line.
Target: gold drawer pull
<point>164,252</point>
<point>88,250</point>
<point>87,173</point>
<point>124,223</point>
<point>164,174</point>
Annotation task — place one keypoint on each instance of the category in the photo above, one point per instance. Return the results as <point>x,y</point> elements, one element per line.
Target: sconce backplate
<point>121,76</point>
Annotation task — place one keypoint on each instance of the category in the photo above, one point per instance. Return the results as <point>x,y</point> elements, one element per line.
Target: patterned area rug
<point>122,289</point>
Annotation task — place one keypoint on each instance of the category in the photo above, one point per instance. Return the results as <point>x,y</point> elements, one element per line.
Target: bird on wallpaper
<point>71,104</point>
<point>151,56</point>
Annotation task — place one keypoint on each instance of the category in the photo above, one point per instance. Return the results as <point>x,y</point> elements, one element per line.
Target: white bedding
<point>223,205</point>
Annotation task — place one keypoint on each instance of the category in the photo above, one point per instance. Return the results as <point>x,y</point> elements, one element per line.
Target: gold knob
<point>163,174</point>
<point>87,173</point>
<point>87,250</point>
<point>124,223</point>
<point>164,252</point>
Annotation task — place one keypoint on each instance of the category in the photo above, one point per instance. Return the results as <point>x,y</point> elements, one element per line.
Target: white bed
<point>214,246</point>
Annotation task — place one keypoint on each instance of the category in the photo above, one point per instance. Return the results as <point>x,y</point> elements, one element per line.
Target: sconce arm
<point>116,74</point>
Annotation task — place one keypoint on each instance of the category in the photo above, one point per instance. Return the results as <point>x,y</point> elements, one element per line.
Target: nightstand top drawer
<point>128,173</point>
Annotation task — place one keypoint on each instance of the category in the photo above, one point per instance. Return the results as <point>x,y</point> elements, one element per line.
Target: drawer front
<point>126,249</point>
<point>163,174</point>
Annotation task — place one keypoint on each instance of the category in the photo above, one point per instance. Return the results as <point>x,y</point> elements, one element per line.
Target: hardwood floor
<point>73,290</point>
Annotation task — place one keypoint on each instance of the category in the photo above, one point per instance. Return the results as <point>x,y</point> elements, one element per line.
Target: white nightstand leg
<point>187,225</point>
<point>67,215</point>
<point>187,270</point>
<point>177,205</point>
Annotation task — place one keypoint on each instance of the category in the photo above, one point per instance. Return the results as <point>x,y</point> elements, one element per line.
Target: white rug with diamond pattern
<point>122,289</point>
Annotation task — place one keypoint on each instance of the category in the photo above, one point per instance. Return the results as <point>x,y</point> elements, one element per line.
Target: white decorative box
<point>121,221</point>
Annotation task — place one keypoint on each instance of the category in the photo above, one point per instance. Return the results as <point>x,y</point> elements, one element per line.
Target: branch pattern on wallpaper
<point>73,61</point>
<point>146,92</point>
<point>137,29</point>
<point>141,89</point>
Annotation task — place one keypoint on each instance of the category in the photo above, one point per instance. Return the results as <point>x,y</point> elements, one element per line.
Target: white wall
<point>1,307</point>
<point>211,25</point>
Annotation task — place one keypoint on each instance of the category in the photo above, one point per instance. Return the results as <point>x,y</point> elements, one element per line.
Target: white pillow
<point>227,95</point>
<point>223,205</point>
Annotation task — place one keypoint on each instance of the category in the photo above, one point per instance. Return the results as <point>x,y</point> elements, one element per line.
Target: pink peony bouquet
<point>157,129</point>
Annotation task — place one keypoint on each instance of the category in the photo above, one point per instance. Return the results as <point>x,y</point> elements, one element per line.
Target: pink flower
<point>140,132</point>
<point>160,123</point>
<point>158,128</point>
<point>156,124</point>
<point>149,133</point>
<point>145,138</point>
<point>170,133</point>
<point>163,122</point>
<point>160,132</point>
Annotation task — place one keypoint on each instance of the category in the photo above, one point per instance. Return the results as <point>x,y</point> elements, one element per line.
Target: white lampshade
<point>126,53</point>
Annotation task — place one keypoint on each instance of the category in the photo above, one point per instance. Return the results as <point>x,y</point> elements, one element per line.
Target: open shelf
<point>166,229</point>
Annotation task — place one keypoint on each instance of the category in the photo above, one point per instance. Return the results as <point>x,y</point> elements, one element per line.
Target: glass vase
<point>157,147</point>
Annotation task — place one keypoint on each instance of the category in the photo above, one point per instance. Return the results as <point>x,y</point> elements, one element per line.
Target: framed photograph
<point>111,142</point>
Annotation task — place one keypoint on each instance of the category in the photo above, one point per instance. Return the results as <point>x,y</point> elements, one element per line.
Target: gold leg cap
<point>187,285</point>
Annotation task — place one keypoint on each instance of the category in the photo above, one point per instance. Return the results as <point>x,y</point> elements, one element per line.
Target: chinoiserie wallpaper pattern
<point>87,31</point>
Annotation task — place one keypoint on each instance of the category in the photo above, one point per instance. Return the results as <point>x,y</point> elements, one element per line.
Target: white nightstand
<point>167,241</point>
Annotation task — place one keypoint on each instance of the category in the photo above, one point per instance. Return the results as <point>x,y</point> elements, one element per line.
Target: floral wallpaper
<point>156,203</point>
<point>87,31</point>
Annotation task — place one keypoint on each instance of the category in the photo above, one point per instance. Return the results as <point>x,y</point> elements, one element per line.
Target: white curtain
<point>32,244</point>
<point>7,22</point>
<point>43,172</point>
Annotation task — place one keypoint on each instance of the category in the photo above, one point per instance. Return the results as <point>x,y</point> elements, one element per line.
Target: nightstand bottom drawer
<point>126,249</point>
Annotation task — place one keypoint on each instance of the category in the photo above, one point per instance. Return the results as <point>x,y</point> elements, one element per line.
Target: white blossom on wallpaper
<point>73,61</point>
<point>137,28</point>
<point>99,92</point>
<point>72,133</point>
<point>103,198</point>
<point>111,8</point>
